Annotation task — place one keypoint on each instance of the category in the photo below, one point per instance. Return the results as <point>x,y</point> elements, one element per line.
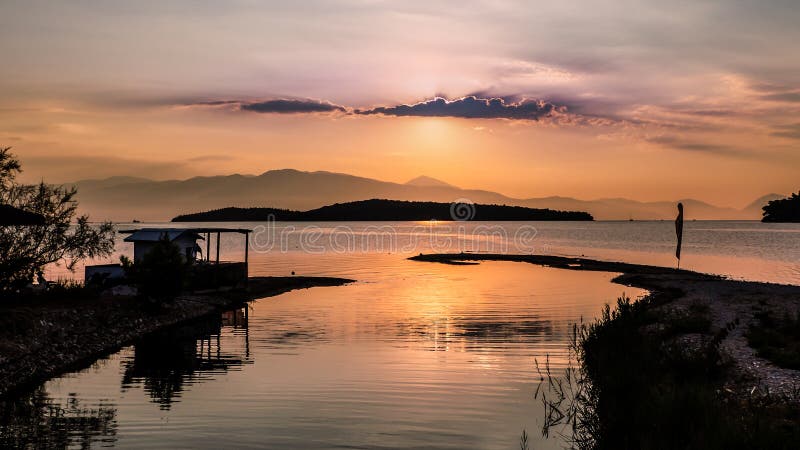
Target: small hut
<point>205,271</point>
<point>145,239</point>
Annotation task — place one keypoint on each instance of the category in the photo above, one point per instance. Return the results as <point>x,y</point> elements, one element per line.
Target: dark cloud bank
<point>682,144</point>
<point>291,107</point>
<point>469,108</point>
<point>274,106</point>
<point>788,131</point>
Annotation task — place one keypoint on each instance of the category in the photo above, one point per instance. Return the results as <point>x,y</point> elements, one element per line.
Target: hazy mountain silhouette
<point>755,208</point>
<point>428,181</point>
<point>127,198</point>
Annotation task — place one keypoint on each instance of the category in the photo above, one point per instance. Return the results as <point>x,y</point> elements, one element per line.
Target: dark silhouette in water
<point>386,210</point>
<point>35,420</point>
<point>165,362</point>
<point>783,210</point>
<point>679,232</point>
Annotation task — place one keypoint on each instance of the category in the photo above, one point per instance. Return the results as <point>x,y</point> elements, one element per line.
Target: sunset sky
<point>643,99</point>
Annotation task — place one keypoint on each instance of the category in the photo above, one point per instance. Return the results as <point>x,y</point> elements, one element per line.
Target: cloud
<point>471,107</point>
<point>793,97</point>
<point>693,146</point>
<point>216,103</point>
<point>768,87</point>
<point>282,106</point>
<point>468,107</point>
<point>532,71</point>
<point>211,158</point>
<point>710,112</point>
<point>788,131</point>
<point>273,106</point>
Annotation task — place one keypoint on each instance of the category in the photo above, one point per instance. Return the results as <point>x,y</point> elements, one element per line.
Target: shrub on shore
<point>783,210</point>
<point>638,387</point>
<point>777,338</point>
<point>61,237</point>
<point>161,274</point>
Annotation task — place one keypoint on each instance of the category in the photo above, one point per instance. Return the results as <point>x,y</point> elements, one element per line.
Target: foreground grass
<point>776,338</point>
<point>641,387</point>
<point>55,292</point>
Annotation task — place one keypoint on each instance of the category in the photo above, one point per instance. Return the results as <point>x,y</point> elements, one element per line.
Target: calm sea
<point>414,355</point>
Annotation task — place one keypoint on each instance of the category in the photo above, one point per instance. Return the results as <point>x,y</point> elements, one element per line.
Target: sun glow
<point>433,132</point>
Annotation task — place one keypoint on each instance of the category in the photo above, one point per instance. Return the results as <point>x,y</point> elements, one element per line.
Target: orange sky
<point>636,100</point>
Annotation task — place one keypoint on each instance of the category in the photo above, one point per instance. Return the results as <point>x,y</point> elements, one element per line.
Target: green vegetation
<point>18,317</point>
<point>58,291</point>
<point>26,250</point>
<point>161,274</point>
<point>777,339</point>
<point>639,386</point>
<point>695,320</point>
<point>783,210</point>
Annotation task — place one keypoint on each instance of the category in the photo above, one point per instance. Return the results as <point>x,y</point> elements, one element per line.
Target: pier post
<point>246,252</point>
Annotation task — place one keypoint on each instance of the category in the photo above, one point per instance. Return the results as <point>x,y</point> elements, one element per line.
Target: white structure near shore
<point>145,239</point>
<point>206,271</point>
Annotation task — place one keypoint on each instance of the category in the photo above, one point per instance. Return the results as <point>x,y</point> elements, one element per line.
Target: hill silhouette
<point>386,210</point>
<point>429,182</point>
<point>756,207</point>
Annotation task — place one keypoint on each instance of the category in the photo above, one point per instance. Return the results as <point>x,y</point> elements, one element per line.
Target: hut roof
<point>10,215</point>
<point>156,234</point>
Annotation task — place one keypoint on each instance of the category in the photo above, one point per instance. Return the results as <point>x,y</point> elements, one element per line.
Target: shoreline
<point>731,305</point>
<point>49,339</point>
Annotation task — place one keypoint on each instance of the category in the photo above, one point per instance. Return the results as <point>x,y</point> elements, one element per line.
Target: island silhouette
<point>386,210</point>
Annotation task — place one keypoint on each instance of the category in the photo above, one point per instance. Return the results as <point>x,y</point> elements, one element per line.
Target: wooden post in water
<point>247,331</point>
<point>217,247</point>
<point>679,233</point>
<point>246,251</point>
<point>208,246</point>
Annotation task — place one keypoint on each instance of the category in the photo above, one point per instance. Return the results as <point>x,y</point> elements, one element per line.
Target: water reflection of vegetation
<point>635,388</point>
<point>166,362</point>
<point>35,420</point>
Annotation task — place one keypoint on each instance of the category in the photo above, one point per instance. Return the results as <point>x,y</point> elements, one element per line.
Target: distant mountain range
<point>128,198</point>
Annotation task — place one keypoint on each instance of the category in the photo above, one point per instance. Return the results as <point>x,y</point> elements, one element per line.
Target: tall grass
<point>777,338</point>
<point>59,291</point>
<point>634,386</point>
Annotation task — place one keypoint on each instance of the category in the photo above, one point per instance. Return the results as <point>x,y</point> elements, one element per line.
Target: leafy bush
<point>161,274</point>
<point>636,387</point>
<point>783,210</point>
<point>26,250</point>
<point>777,339</point>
